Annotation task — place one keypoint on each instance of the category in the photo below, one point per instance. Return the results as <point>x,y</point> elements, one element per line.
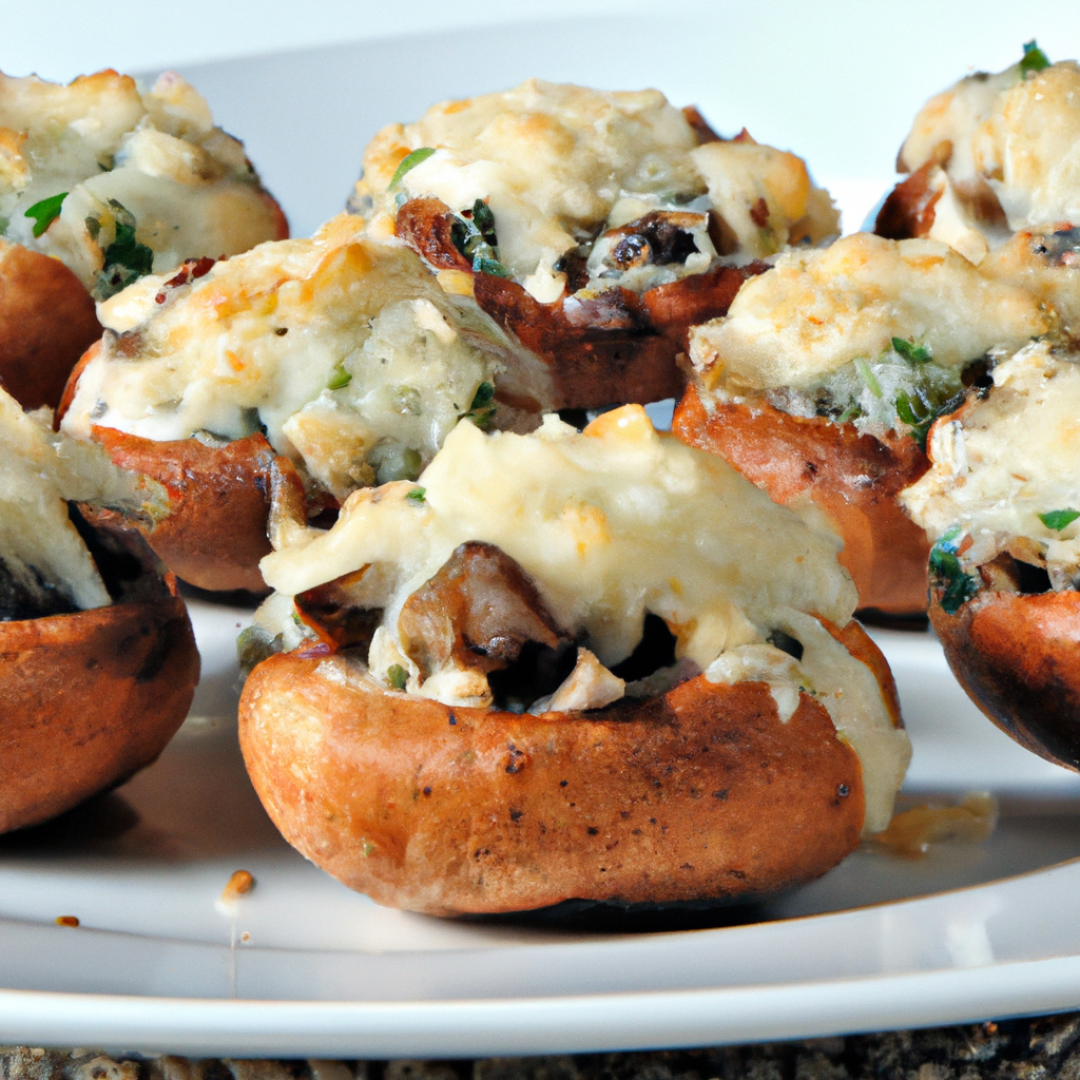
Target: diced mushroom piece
<point>589,686</point>
<point>662,237</point>
<point>339,613</point>
<point>476,614</point>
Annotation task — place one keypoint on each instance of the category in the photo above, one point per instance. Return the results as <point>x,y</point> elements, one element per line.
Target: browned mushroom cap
<point>613,347</point>
<point>219,504</point>
<point>1018,657</point>
<point>700,793</point>
<point>47,319</point>
<point>855,479</point>
<point>89,699</point>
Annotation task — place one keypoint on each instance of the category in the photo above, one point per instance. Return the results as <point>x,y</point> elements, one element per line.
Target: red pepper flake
<point>189,271</point>
<point>66,920</point>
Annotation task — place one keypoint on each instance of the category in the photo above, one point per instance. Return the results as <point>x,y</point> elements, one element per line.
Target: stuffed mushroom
<point>562,666</point>
<point>312,367</point>
<point>97,657</point>
<point>822,382</point>
<point>100,184</point>
<point>1002,506</point>
<point>597,227</point>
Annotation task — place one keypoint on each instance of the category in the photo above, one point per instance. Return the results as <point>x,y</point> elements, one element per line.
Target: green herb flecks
<point>406,400</point>
<point>126,260</point>
<point>409,162</point>
<point>473,234</point>
<point>919,414</point>
<point>339,379</point>
<point>46,212</point>
<point>914,354</point>
<point>490,266</point>
<point>1034,59</point>
<point>417,495</point>
<point>1059,519</point>
<point>868,377</point>
<point>4,223</point>
<point>482,410</point>
<point>397,676</point>
<point>947,572</point>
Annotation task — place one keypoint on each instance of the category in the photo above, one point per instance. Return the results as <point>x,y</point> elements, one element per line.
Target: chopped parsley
<point>920,414</point>
<point>1034,60</point>
<point>946,571</point>
<point>417,495</point>
<point>482,410</point>
<point>473,234</point>
<point>339,379</point>
<point>915,354</point>
<point>126,260</point>
<point>409,162</point>
<point>1059,519</point>
<point>397,676</point>
<point>46,212</point>
<point>490,266</point>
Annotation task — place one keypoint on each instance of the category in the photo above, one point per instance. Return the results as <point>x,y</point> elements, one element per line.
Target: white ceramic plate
<point>302,966</point>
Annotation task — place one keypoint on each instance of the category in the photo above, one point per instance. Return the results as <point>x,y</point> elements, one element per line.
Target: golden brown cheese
<point>610,524</point>
<point>1045,262</point>
<point>1008,144</point>
<point>1008,459</point>
<point>829,318</point>
<point>558,164</point>
<point>944,129</point>
<point>152,162</point>
<point>345,350</point>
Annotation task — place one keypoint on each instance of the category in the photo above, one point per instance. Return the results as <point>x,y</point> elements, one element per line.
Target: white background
<point>837,82</point>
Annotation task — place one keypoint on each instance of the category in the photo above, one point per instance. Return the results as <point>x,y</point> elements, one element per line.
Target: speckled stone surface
<point>1042,1048</point>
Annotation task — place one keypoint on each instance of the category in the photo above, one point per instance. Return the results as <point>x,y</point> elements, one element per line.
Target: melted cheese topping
<point>1009,137</point>
<point>557,164</point>
<point>945,127</point>
<point>344,350</point>
<point>609,524</point>
<point>39,472</point>
<point>815,312</point>
<point>188,185</point>
<point>1008,458</point>
<point>765,196</point>
<point>1046,263</point>
<point>1029,148</point>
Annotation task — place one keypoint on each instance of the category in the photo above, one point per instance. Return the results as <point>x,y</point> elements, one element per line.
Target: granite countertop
<point>1022,1049</point>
